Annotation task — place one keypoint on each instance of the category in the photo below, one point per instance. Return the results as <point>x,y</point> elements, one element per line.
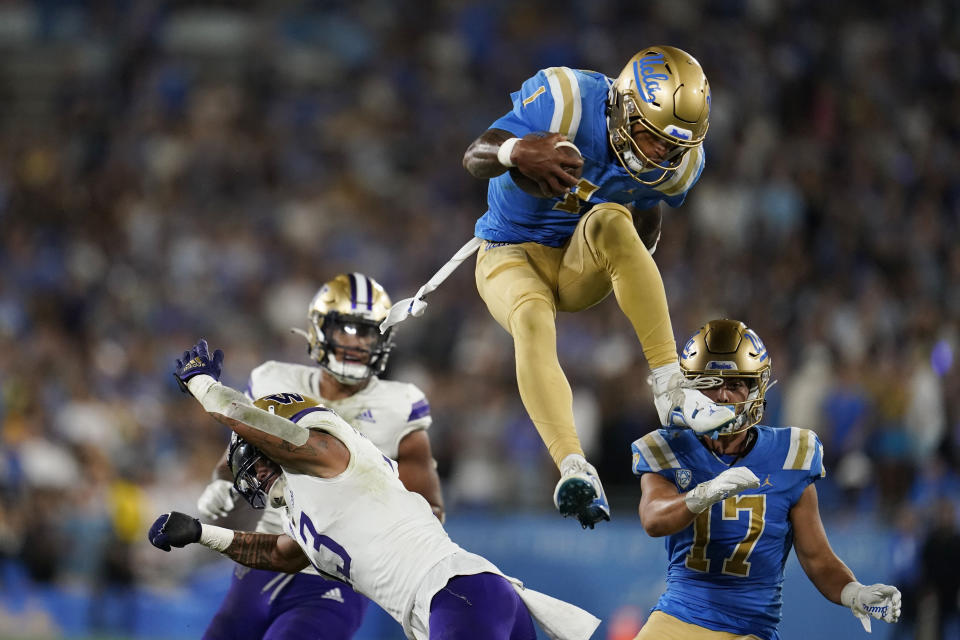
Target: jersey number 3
<point>737,563</point>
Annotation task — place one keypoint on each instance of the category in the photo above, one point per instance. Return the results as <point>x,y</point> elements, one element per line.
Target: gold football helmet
<point>665,90</point>
<point>344,333</point>
<point>729,349</point>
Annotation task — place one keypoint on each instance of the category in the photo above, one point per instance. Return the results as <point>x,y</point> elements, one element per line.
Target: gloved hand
<point>726,484</point>
<point>217,499</point>
<point>174,529</point>
<point>880,601</point>
<point>198,361</point>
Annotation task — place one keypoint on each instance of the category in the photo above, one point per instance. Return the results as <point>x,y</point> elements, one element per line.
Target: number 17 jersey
<point>726,568</point>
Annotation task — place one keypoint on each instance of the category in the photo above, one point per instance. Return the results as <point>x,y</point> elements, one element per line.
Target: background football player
<point>733,505</point>
<point>346,343</point>
<point>640,137</point>
<point>346,513</point>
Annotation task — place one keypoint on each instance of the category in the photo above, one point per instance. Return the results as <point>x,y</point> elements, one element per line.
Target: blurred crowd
<point>171,170</point>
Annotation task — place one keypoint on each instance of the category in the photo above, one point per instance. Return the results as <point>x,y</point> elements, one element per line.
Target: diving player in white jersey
<point>346,343</point>
<point>347,514</point>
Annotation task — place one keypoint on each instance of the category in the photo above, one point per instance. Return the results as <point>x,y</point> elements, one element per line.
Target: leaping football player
<point>638,141</point>
<point>350,353</point>
<point>732,506</point>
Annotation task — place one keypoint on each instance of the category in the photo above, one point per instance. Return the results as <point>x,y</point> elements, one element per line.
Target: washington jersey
<point>363,527</point>
<point>574,103</point>
<point>385,411</point>
<point>726,568</point>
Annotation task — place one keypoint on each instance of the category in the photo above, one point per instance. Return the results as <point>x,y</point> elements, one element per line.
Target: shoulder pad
<point>686,174</point>
<point>567,102</point>
<point>656,452</point>
<point>805,450</point>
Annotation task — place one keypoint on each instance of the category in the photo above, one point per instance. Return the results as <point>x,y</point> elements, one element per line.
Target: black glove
<point>198,361</point>
<point>174,529</point>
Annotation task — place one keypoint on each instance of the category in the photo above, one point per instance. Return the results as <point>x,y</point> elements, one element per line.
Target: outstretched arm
<point>829,574</point>
<point>826,571</point>
<point>256,550</point>
<point>418,470</point>
<point>287,443</point>
<point>267,551</point>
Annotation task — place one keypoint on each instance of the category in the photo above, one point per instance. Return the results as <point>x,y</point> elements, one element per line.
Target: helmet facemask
<point>256,487</point>
<point>350,348</point>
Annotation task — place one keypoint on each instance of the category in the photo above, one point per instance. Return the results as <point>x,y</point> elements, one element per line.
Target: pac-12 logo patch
<point>684,478</point>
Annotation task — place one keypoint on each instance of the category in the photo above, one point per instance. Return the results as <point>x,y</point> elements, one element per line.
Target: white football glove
<point>726,484</point>
<point>217,499</point>
<point>880,601</point>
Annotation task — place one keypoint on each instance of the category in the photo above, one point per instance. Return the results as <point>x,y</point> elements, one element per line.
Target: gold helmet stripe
<point>803,445</point>
<point>657,452</point>
<point>683,178</point>
<point>567,108</point>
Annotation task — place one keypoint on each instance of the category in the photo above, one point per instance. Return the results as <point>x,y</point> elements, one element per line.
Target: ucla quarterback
<point>350,352</point>
<point>346,514</point>
<point>635,141</point>
<point>731,506</point>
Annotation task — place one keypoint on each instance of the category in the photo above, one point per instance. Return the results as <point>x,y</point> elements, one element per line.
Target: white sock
<point>662,375</point>
<point>574,461</point>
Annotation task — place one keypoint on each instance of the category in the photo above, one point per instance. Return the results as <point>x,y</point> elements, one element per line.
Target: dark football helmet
<point>243,457</point>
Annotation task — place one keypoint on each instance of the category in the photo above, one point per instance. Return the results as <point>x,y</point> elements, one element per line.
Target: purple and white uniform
<point>265,604</point>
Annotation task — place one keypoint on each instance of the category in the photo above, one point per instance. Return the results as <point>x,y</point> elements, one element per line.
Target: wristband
<point>849,593</point>
<point>217,538</point>
<point>505,151</point>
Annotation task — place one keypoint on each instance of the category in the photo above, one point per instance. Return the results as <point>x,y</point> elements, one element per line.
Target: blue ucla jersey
<point>726,568</point>
<point>573,103</point>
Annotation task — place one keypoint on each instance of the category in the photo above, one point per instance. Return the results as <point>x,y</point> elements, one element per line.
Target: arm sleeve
<point>419,417</point>
<point>219,398</point>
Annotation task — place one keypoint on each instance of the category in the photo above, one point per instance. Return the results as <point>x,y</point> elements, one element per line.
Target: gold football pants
<point>524,285</point>
<point>661,626</point>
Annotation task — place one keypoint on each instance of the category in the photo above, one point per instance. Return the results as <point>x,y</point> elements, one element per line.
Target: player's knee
<point>530,319</point>
<point>608,225</point>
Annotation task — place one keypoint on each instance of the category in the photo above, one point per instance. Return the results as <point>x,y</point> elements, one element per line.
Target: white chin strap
<point>347,372</point>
